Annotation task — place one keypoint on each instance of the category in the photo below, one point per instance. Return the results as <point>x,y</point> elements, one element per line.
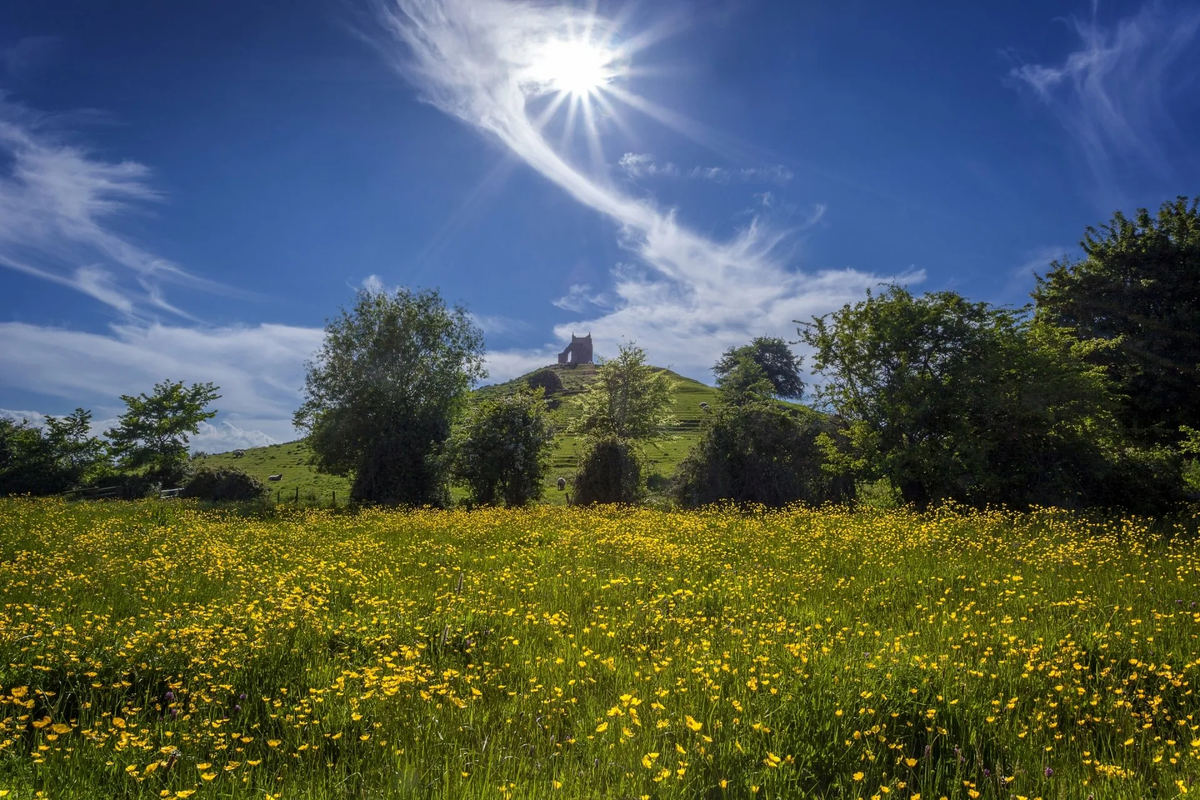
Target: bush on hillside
<point>501,450</point>
<point>223,484</point>
<point>758,452</point>
<point>547,380</point>
<point>609,472</point>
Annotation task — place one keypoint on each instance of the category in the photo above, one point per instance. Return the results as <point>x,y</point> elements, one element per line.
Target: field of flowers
<point>157,650</point>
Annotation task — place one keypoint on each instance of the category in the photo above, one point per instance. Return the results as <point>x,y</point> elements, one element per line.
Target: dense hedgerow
<point>153,650</point>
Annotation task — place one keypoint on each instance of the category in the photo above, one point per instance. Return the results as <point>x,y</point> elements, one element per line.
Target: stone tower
<point>579,351</point>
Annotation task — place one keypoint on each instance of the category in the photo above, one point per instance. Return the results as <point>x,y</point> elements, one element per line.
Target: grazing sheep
<point>562,484</point>
<point>239,453</point>
<point>704,407</point>
<point>274,477</point>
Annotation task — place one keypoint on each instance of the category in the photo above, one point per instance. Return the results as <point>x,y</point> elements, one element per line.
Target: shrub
<point>547,380</point>
<point>128,486</point>
<point>223,485</point>
<point>501,450</point>
<point>609,472</point>
<point>756,453</point>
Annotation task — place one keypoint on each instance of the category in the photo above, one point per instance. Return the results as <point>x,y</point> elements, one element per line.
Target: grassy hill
<point>291,460</point>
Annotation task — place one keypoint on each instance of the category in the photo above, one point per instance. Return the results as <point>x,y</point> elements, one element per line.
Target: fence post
<point>278,492</point>
<point>297,495</point>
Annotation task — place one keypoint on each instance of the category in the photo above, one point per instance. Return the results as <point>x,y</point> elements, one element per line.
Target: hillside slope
<point>291,460</point>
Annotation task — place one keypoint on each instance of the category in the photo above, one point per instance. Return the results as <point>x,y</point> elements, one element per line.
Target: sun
<point>577,68</point>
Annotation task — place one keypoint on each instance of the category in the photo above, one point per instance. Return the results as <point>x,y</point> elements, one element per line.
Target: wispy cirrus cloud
<point>58,207</point>
<point>688,296</point>
<point>580,296</point>
<point>644,165</point>
<point>1112,94</point>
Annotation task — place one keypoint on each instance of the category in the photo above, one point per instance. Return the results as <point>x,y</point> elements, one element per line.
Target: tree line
<point>146,449</point>
<point>1088,396</point>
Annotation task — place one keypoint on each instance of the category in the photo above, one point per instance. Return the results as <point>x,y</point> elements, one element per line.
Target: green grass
<point>154,650</point>
<point>292,459</point>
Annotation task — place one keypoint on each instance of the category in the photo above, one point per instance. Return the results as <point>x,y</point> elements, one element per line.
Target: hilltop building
<point>579,351</point>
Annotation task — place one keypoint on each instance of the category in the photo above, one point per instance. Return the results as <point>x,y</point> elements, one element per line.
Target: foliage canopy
<point>1138,288</point>
<point>629,400</point>
<point>46,461</point>
<point>778,363</point>
<point>950,399</point>
<point>758,451</point>
<point>384,390</point>
<point>501,449</point>
<point>151,437</point>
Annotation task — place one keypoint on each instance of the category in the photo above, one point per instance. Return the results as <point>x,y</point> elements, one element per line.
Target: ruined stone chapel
<point>579,351</point>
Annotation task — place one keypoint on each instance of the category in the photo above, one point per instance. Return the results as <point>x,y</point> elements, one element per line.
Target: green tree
<point>609,472</point>
<point>79,454</point>
<point>1138,288</point>
<point>778,363</point>
<point>627,405</point>
<point>382,394</point>
<point>49,460</point>
<point>151,437</point>
<point>949,399</point>
<point>744,381</point>
<point>754,450</point>
<point>501,450</point>
<point>26,461</point>
<point>1189,447</point>
<point>629,400</point>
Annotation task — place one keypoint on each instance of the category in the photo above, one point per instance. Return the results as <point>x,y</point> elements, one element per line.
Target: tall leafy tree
<point>77,452</point>
<point>151,437</point>
<point>744,381</point>
<point>501,449</point>
<point>629,400</point>
<point>950,399</point>
<point>1138,289</point>
<point>384,390</point>
<point>628,405</point>
<point>773,356</point>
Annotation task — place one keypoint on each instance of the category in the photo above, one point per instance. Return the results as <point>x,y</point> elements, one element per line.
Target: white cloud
<point>57,206</point>
<point>644,165</point>
<point>640,165</point>
<point>579,296</point>
<point>1111,93</point>
<point>499,325</point>
<point>259,369</point>
<point>225,436</point>
<point>504,365</point>
<point>692,296</point>
<point>34,418</point>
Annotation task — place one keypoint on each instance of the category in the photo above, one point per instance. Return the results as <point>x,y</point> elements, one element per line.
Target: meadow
<point>157,649</point>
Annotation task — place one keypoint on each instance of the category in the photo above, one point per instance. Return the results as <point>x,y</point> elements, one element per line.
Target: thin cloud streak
<point>1111,94</point>
<point>57,205</point>
<point>695,295</point>
<point>640,165</point>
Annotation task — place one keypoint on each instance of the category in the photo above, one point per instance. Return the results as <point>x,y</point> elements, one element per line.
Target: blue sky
<point>188,190</point>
